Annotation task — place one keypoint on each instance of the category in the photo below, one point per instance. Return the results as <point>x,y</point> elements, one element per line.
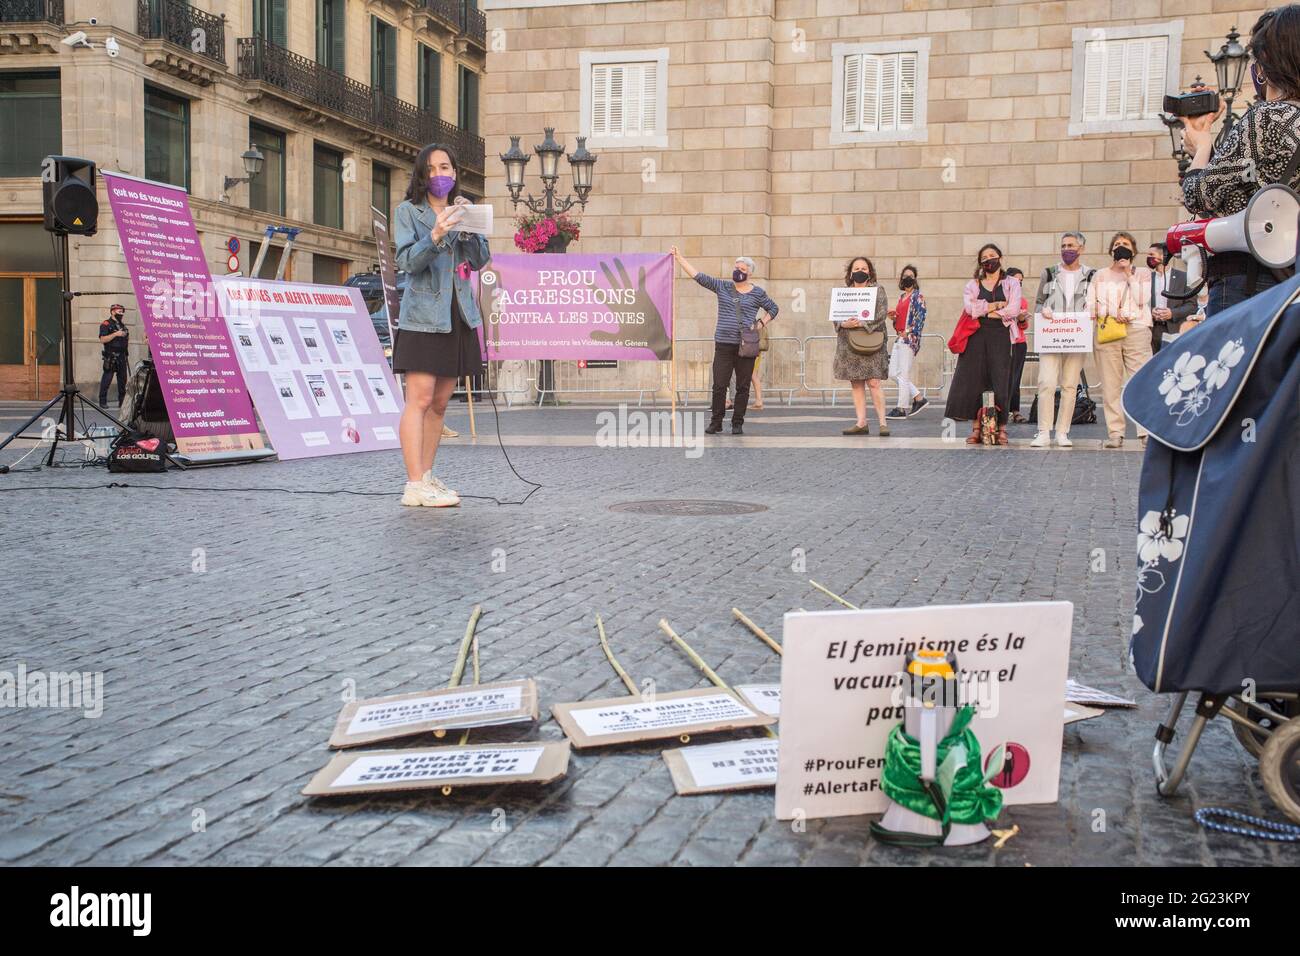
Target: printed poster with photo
<point>314,366</point>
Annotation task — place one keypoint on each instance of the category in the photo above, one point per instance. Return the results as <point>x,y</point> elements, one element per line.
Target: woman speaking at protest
<point>436,341</point>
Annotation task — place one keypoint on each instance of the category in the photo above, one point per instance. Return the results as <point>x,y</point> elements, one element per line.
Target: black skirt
<point>985,365</point>
<point>453,354</point>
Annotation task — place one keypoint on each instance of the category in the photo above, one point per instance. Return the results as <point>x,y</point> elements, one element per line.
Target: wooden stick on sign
<point>609,655</point>
<point>469,397</point>
<point>758,631</point>
<point>699,662</point>
<point>832,594</point>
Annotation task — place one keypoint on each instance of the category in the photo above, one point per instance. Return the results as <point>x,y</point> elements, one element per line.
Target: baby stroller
<point>1218,576</point>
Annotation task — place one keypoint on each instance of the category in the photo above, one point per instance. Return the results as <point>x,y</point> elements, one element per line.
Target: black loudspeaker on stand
<point>71,208</point>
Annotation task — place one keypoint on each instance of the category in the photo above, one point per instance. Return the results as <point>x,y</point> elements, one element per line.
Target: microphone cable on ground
<point>536,486</point>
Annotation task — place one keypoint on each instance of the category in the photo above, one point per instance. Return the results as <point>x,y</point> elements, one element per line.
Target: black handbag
<point>1085,409</point>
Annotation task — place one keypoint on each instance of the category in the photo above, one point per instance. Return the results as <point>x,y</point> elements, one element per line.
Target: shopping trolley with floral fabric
<point>1218,562</point>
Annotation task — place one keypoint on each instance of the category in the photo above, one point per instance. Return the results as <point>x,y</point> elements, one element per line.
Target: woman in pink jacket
<point>992,299</point>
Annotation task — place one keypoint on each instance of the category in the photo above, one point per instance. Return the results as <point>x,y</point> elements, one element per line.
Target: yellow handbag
<point>1111,329</point>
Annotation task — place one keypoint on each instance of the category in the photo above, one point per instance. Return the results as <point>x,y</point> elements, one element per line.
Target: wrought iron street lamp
<point>549,153</point>
<point>1229,69</point>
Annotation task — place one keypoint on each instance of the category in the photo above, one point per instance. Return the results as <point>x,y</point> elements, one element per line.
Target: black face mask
<point>1122,253</point>
<point>859,277</point>
<point>738,275</point>
<point>906,283</point>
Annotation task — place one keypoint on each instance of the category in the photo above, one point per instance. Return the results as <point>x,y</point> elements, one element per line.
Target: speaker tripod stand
<point>69,397</point>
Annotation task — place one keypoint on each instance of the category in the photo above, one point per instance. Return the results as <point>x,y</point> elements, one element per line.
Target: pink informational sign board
<point>578,306</point>
<point>313,365</point>
<point>203,389</point>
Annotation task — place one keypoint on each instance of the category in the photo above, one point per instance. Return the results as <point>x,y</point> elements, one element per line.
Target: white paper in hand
<point>476,219</point>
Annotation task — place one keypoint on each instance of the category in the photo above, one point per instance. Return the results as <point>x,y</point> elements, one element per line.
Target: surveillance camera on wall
<point>77,39</point>
<point>94,21</point>
<point>110,46</point>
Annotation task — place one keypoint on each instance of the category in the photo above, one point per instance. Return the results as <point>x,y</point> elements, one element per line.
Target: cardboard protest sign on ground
<point>1063,332</point>
<point>202,386</point>
<point>578,306</point>
<point>620,720</point>
<point>764,698</point>
<point>1077,712</point>
<point>842,693</point>
<point>403,715</point>
<point>731,765</point>
<point>314,366</point>
<point>382,771</point>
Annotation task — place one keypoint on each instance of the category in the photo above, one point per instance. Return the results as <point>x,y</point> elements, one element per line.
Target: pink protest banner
<point>314,366</point>
<point>578,306</point>
<point>202,385</point>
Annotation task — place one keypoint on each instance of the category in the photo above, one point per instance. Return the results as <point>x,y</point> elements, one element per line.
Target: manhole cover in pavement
<point>687,508</point>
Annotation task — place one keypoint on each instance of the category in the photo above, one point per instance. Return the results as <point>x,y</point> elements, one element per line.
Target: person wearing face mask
<point>1119,301</point>
<point>436,344</point>
<point>1019,351</point>
<point>992,302</point>
<point>1262,148</point>
<point>859,370</point>
<point>739,302</point>
<point>909,322</point>
<point>1166,314</point>
<point>1061,288</point>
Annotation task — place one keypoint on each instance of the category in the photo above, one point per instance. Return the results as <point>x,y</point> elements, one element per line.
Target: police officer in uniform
<point>113,335</point>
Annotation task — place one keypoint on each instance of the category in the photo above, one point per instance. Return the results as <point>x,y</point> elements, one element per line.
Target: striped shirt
<point>728,330</point>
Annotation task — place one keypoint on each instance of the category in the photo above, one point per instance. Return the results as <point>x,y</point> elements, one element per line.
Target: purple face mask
<point>1069,256</point>
<point>440,186</point>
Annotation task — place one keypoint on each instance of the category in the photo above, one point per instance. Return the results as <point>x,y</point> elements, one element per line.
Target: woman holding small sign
<point>992,301</point>
<point>860,356</point>
<point>436,341</point>
<point>1062,288</point>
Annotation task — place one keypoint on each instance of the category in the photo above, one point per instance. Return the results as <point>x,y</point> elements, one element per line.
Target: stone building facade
<point>804,132</point>
<point>338,95</point>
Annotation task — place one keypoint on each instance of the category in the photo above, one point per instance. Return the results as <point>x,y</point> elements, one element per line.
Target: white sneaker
<point>1064,441</point>
<point>418,494</point>
<point>428,479</point>
<point>1041,440</point>
<point>449,432</point>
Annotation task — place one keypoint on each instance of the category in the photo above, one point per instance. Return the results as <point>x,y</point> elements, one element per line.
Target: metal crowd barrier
<point>931,379</point>
<point>788,369</point>
<point>571,377</point>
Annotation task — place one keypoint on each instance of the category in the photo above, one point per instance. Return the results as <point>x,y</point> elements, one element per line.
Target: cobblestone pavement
<point>222,685</point>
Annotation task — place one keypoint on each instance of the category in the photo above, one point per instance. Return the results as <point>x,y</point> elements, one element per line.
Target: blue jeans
<point>1230,290</point>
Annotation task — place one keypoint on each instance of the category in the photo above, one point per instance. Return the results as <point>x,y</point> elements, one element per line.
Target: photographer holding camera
<point>1261,148</point>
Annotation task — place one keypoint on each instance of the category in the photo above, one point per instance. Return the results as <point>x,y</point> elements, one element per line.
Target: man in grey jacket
<point>1166,314</point>
<point>1061,288</point>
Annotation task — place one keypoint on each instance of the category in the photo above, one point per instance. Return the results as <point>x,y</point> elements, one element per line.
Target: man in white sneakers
<point>1061,288</point>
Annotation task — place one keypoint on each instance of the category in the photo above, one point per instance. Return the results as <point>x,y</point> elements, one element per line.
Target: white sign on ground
<point>842,693</point>
<point>732,765</point>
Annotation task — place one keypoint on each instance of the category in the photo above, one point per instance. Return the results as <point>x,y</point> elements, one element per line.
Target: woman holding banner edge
<point>436,341</point>
<point>739,302</point>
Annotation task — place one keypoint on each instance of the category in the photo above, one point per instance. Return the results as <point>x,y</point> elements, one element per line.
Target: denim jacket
<point>432,274</point>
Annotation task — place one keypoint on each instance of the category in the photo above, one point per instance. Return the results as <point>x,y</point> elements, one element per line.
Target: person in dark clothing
<point>739,302</point>
<point>1019,352</point>
<point>114,337</point>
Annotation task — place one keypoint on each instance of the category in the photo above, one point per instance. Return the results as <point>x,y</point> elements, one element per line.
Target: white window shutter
<point>870,92</point>
<point>852,93</point>
<point>599,100</point>
<point>617,79</point>
<point>888,91</point>
<point>1113,104</point>
<point>632,98</point>
<point>1157,64</point>
<point>907,92</point>
<point>650,98</point>
<point>1094,79</point>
